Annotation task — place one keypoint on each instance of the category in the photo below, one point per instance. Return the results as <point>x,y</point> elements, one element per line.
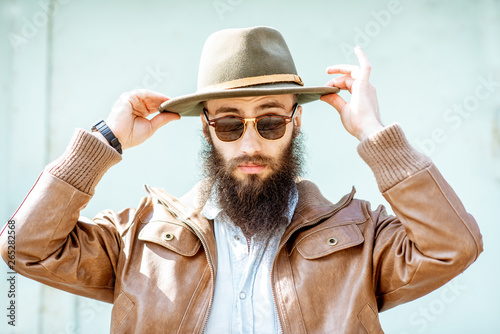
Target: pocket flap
<point>173,236</point>
<point>328,240</point>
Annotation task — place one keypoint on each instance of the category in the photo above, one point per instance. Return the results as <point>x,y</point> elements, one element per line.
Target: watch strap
<point>103,128</point>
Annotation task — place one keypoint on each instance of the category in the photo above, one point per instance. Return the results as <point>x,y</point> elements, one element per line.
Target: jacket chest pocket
<point>322,241</point>
<point>174,236</point>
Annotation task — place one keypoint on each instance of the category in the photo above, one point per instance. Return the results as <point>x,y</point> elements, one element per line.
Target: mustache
<point>257,159</point>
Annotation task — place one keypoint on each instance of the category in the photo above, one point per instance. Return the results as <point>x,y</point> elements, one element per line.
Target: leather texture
<point>157,262</point>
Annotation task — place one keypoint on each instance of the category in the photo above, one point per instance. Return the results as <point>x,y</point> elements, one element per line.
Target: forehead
<point>250,103</point>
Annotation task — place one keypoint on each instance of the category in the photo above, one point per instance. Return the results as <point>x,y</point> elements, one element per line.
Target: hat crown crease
<point>234,54</point>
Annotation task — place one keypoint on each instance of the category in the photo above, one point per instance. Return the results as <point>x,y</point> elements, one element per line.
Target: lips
<point>251,168</point>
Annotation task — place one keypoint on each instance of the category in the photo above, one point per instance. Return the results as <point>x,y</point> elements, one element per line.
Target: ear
<point>297,121</point>
<point>206,131</point>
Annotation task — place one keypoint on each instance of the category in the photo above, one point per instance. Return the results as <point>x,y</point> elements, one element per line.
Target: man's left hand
<point>360,116</point>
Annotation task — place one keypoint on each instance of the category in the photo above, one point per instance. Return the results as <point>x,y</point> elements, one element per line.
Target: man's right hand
<point>128,118</point>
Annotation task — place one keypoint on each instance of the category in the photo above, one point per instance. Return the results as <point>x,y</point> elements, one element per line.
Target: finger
<point>163,118</point>
<point>364,64</point>
<point>334,100</point>
<point>341,69</point>
<point>343,82</point>
<point>151,98</point>
<point>146,101</point>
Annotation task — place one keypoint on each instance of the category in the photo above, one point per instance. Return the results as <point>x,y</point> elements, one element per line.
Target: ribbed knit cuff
<point>390,156</point>
<point>84,162</point>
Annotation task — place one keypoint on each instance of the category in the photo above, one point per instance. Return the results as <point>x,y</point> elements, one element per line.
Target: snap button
<point>169,236</point>
<point>332,241</point>
<point>242,295</point>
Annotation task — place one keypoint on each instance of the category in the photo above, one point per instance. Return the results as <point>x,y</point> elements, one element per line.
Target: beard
<point>258,206</point>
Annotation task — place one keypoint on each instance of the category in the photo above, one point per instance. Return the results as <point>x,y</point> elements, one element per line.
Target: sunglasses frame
<point>287,119</point>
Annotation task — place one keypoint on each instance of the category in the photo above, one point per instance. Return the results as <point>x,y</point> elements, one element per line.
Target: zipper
<point>181,218</point>
<point>310,223</point>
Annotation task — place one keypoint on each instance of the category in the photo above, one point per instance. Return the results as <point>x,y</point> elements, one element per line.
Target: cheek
<point>227,151</point>
<point>277,150</point>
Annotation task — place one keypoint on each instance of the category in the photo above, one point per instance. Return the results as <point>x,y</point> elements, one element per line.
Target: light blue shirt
<point>243,300</point>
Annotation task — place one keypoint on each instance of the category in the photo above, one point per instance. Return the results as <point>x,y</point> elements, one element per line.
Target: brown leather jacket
<point>337,265</point>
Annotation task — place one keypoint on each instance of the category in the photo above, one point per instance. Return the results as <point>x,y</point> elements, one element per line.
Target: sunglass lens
<point>271,127</point>
<point>228,129</point>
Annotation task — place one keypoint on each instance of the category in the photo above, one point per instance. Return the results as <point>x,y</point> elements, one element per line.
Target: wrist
<point>99,136</point>
<point>369,129</point>
<point>102,128</point>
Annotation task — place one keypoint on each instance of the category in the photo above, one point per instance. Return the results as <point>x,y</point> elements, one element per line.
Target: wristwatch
<point>103,128</point>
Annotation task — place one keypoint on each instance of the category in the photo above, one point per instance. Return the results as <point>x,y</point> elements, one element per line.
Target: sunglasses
<point>269,127</point>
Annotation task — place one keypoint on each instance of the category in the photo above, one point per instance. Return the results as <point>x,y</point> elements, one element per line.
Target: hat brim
<point>192,104</point>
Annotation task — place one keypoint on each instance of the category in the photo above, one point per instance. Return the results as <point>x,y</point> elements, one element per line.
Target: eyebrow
<point>223,109</point>
<point>271,104</point>
<point>267,105</point>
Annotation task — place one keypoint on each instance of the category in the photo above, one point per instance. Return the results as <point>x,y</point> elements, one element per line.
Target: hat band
<point>259,80</point>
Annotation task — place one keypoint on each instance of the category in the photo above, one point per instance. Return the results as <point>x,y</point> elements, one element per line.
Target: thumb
<point>334,100</point>
<point>163,118</point>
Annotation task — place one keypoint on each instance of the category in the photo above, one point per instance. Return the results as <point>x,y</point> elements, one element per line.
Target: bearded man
<point>253,248</point>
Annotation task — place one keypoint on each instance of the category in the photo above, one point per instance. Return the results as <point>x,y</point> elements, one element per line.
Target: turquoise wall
<point>63,63</point>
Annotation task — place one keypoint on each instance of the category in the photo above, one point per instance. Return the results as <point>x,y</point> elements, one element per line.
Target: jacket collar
<point>311,205</point>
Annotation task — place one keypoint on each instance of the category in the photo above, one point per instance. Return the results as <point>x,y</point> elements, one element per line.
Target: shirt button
<point>237,238</point>
<point>242,295</point>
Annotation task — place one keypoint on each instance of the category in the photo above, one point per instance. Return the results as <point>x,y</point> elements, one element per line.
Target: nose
<point>250,142</point>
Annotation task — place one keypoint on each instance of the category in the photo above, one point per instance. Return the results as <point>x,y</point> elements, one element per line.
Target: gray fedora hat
<point>244,62</point>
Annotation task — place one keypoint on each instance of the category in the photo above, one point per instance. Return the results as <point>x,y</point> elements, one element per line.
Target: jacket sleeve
<point>55,246</point>
<point>432,239</point>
